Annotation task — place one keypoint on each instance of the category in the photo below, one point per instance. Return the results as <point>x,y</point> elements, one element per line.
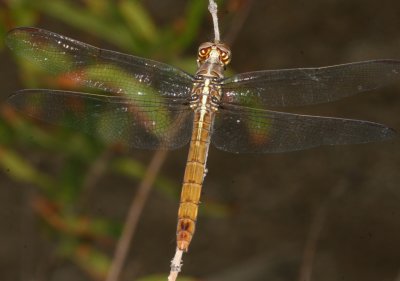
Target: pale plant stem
<point>316,227</point>
<point>213,9</point>
<point>238,22</point>
<point>398,277</point>
<point>132,219</point>
<point>176,265</point>
<point>311,244</point>
<point>93,176</point>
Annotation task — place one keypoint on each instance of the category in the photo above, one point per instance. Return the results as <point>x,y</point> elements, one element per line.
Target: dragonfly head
<point>214,52</point>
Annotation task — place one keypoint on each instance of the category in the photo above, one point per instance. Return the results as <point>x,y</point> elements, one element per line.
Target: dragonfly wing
<point>247,130</point>
<point>79,64</point>
<point>304,86</point>
<point>150,125</point>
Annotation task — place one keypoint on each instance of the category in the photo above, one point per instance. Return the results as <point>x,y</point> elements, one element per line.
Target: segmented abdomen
<point>193,179</point>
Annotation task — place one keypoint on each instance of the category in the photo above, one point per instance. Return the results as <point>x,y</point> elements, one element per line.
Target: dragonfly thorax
<point>212,59</point>
<point>206,95</point>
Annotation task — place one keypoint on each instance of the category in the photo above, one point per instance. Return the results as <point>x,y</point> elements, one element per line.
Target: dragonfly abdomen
<point>193,179</point>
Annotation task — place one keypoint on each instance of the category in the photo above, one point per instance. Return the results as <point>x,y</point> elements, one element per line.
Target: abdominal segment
<point>193,179</point>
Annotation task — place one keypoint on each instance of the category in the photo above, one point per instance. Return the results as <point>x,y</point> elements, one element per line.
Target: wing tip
<point>15,101</point>
<point>13,36</point>
<point>22,29</point>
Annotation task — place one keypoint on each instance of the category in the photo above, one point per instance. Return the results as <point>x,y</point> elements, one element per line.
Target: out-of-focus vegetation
<point>62,197</point>
<point>278,199</point>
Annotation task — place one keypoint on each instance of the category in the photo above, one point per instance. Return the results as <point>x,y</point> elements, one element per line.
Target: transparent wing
<point>246,130</point>
<point>303,86</point>
<point>84,65</point>
<point>144,124</point>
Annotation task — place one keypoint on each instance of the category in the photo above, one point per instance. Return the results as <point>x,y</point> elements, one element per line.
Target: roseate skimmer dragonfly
<point>152,105</point>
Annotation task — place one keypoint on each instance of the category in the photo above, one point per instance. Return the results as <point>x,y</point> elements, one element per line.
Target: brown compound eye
<point>225,58</point>
<point>225,55</point>
<point>204,52</point>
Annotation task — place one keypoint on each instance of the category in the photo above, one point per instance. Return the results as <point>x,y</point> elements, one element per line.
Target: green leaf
<point>138,20</point>
<point>71,180</point>
<point>113,32</point>
<point>136,170</point>
<point>21,12</point>
<point>61,140</point>
<point>194,16</point>
<point>99,7</point>
<point>21,170</point>
<point>91,260</point>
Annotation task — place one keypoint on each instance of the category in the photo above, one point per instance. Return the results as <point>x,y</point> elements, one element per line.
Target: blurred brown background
<point>340,203</point>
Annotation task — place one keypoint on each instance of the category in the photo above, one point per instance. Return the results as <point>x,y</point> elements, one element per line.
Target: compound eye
<point>204,52</point>
<point>224,56</point>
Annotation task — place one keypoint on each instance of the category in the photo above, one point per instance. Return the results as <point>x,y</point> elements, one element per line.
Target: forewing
<point>80,64</point>
<point>246,130</point>
<point>152,125</point>
<point>304,86</point>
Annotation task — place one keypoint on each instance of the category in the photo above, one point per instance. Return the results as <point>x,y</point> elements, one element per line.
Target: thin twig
<point>316,227</point>
<point>237,23</point>
<point>311,244</point>
<point>213,9</point>
<point>132,219</point>
<point>93,176</point>
<point>176,265</point>
<point>398,277</point>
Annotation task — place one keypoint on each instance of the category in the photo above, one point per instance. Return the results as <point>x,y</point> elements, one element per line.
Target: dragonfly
<point>147,104</point>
